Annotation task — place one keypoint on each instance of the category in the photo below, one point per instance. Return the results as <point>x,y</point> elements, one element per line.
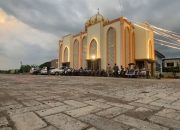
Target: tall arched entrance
<point>94,63</point>
<point>66,58</point>
<point>93,49</point>
<point>111,46</point>
<point>76,54</point>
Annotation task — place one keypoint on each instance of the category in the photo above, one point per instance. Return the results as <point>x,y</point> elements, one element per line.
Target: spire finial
<point>98,11</point>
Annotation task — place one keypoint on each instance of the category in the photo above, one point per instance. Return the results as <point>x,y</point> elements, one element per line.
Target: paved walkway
<point>88,103</point>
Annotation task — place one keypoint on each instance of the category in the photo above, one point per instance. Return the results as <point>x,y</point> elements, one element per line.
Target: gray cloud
<point>56,18</point>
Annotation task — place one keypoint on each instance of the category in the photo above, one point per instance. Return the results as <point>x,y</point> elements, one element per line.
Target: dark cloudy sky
<point>30,29</point>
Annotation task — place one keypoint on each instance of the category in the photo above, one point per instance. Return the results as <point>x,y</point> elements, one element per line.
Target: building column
<point>153,69</point>
<point>58,55</point>
<point>121,43</point>
<point>80,51</point>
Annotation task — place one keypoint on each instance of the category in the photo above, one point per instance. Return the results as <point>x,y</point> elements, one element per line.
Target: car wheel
<point>56,73</point>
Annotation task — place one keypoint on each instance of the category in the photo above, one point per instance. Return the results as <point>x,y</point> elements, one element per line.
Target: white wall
<point>67,42</point>
<point>94,32</point>
<point>116,26</point>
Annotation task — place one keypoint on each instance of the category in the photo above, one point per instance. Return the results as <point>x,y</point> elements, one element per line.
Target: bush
<point>172,69</point>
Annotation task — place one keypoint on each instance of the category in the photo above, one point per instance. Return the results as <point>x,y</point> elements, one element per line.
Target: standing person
<point>126,71</point>
<point>122,71</point>
<point>108,70</point>
<point>48,68</point>
<point>160,75</point>
<point>81,71</point>
<point>115,69</point>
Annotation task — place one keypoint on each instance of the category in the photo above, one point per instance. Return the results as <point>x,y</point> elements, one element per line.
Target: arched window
<point>60,54</point>
<point>66,55</point>
<point>111,46</point>
<point>84,53</point>
<point>76,55</point>
<point>93,49</point>
<point>127,46</point>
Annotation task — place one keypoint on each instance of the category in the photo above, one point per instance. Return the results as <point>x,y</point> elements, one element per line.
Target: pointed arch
<point>66,55</point>
<point>111,46</point>
<point>93,49</point>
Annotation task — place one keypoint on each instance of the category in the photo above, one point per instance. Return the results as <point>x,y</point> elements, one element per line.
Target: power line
<point>167,37</point>
<point>170,35</point>
<point>169,46</point>
<point>166,42</point>
<point>175,33</point>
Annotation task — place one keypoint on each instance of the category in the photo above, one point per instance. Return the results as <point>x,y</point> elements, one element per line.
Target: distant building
<point>50,64</point>
<point>171,67</point>
<point>54,63</point>
<point>171,62</point>
<point>159,57</point>
<point>104,42</point>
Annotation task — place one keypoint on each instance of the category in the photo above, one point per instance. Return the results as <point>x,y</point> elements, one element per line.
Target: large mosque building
<point>104,42</point>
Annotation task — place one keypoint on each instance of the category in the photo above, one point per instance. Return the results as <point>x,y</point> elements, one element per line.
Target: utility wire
<point>165,30</point>
<point>172,36</point>
<point>168,46</point>
<point>166,42</point>
<point>169,35</point>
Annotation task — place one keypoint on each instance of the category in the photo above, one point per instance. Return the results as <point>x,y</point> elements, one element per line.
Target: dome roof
<point>95,19</point>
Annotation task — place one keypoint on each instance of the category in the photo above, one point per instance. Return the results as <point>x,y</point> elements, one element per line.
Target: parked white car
<point>57,71</point>
<point>44,71</point>
<point>34,70</point>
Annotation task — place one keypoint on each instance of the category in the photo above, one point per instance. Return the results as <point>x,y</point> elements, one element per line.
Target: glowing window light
<point>93,57</point>
<point>2,20</point>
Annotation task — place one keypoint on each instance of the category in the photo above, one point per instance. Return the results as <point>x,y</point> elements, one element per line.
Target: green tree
<point>25,68</point>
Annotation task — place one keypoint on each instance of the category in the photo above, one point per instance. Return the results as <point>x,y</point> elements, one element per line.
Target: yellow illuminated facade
<point>104,42</point>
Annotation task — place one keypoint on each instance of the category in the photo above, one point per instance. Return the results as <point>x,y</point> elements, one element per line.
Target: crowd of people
<point>115,71</point>
<point>111,71</point>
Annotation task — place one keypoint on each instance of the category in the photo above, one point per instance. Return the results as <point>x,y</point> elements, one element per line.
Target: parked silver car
<point>57,71</point>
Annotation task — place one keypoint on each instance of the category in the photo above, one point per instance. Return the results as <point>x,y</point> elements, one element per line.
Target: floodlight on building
<point>93,57</point>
